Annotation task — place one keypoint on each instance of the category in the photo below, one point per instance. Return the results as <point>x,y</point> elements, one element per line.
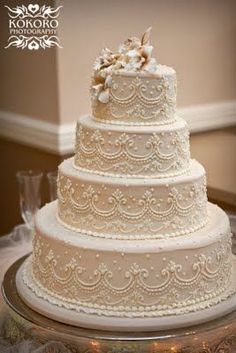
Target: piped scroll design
<point>82,208</point>
<point>122,158</point>
<point>174,287</point>
<point>148,101</point>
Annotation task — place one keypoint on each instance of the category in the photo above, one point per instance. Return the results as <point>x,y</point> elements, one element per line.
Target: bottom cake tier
<point>94,282</point>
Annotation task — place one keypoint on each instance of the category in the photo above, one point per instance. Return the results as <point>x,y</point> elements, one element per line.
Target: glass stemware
<point>29,182</point>
<point>52,180</point>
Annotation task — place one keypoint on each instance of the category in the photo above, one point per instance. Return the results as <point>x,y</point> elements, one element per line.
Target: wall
<point>28,87</point>
<point>28,78</point>
<point>216,151</point>
<point>16,157</point>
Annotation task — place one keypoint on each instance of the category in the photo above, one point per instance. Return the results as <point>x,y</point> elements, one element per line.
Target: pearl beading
<point>132,289</point>
<point>131,211</point>
<point>138,99</point>
<point>159,154</point>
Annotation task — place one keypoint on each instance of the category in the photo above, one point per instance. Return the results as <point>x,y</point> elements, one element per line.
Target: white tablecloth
<point>12,247</point>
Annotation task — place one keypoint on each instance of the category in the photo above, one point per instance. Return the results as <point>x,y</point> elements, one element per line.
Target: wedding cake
<point>132,242</point>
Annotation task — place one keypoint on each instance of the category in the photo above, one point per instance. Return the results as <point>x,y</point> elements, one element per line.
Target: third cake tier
<point>113,207</point>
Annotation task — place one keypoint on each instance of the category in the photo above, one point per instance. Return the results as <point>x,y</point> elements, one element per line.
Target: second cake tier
<point>131,151</point>
<point>131,208</point>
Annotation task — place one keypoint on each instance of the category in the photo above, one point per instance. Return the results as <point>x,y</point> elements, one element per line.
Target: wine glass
<point>52,180</point>
<point>29,182</point>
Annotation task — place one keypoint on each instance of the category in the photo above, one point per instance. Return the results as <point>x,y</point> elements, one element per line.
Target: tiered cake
<point>131,242</point>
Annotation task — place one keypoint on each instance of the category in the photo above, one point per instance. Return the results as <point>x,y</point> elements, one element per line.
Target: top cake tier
<point>130,88</point>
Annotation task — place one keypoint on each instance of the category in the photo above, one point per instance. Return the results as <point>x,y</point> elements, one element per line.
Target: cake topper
<point>132,56</point>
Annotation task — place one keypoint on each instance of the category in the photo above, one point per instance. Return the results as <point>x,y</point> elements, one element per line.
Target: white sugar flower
<point>103,97</point>
<point>147,51</point>
<point>151,66</point>
<point>133,65</point>
<point>97,89</point>
<point>108,81</point>
<point>129,44</point>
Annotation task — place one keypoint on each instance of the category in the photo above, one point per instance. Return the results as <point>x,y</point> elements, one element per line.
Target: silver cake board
<point>80,319</point>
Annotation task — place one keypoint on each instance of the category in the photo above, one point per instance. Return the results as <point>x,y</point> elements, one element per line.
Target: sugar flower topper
<point>132,56</point>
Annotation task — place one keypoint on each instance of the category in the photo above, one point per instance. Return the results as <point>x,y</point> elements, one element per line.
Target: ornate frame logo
<point>33,27</point>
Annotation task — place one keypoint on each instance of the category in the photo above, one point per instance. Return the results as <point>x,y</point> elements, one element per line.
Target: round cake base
<point>80,319</point>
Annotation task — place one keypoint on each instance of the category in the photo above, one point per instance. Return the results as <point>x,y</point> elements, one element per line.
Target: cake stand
<point>23,323</point>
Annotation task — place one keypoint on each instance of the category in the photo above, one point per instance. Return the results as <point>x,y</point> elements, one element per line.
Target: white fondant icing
<point>125,151</point>
<point>70,274</point>
<point>134,208</point>
<point>145,98</point>
<point>35,299</point>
